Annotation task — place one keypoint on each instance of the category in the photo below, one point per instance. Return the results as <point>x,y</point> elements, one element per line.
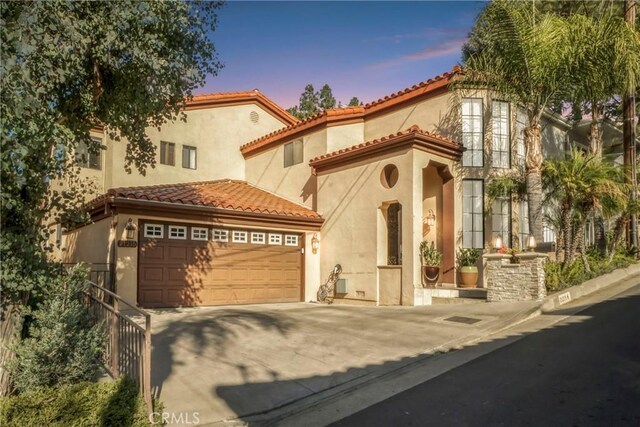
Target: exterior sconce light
<point>498,243</point>
<point>431,218</point>
<point>531,244</point>
<point>315,243</point>
<point>130,229</point>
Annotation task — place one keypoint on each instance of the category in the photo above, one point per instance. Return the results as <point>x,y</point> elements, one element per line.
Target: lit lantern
<point>498,243</point>
<point>431,218</point>
<point>315,243</point>
<point>531,244</point>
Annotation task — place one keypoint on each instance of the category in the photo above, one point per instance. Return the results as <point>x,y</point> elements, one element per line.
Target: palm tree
<point>523,56</point>
<point>580,183</point>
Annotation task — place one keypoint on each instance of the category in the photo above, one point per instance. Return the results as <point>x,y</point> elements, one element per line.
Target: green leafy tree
<point>523,58</point>
<point>63,348</point>
<point>67,67</point>
<point>580,183</point>
<point>325,98</point>
<point>355,102</point>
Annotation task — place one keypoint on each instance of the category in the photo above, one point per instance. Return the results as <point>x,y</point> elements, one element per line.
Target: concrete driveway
<point>234,362</point>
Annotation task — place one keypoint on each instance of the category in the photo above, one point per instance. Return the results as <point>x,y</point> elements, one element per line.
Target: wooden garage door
<point>185,265</point>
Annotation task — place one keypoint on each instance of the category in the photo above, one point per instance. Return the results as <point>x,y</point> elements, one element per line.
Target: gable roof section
<point>226,197</point>
<point>328,117</point>
<point>414,137</point>
<point>238,98</point>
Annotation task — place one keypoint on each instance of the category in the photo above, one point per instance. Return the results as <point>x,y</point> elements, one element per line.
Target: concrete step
<point>452,292</point>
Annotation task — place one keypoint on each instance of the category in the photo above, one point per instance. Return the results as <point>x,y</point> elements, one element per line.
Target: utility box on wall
<point>341,286</point>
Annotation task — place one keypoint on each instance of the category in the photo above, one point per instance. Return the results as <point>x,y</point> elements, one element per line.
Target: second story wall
<point>205,147</point>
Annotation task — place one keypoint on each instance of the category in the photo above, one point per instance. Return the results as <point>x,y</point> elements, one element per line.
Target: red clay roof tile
<point>444,145</point>
<point>225,194</point>
<point>351,112</point>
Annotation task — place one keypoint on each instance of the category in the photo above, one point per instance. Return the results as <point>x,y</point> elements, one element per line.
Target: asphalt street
<point>583,371</point>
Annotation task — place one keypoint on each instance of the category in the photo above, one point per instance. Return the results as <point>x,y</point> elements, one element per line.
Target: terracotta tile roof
<point>428,141</point>
<point>225,194</point>
<point>343,114</point>
<point>222,98</point>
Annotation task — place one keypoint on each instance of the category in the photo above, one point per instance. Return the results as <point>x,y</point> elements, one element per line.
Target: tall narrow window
<point>472,213</point>
<point>394,234</point>
<point>501,220</point>
<point>524,224</point>
<point>89,157</point>
<point>501,144</point>
<point>293,153</point>
<point>472,129</point>
<point>548,230</point>
<point>521,124</point>
<point>188,157</point>
<point>167,153</point>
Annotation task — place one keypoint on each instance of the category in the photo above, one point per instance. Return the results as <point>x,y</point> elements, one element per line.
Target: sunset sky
<point>363,49</point>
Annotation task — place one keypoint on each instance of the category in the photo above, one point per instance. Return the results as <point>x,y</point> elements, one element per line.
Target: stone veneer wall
<point>523,281</point>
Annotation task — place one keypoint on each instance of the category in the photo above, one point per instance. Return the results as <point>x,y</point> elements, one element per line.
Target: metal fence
<point>128,349</point>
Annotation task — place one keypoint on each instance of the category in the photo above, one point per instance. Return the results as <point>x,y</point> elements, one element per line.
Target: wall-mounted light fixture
<point>315,243</point>
<point>430,220</point>
<point>531,244</point>
<point>498,245</point>
<point>130,228</point>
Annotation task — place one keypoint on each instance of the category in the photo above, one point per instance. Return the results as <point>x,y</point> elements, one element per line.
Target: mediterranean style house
<point>249,205</point>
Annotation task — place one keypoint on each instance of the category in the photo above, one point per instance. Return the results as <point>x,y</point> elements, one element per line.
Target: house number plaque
<point>127,244</point>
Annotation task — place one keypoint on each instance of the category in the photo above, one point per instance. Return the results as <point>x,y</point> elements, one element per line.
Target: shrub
<point>113,403</point>
<point>468,257</point>
<point>560,276</point>
<point>431,257</point>
<point>63,346</point>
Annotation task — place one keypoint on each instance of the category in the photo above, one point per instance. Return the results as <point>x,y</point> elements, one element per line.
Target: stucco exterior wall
<point>90,244</point>
<point>430,115</point>
<point>217,133</point>
<point>351,199</point>
<point>266,170</point>
<point>344,136</point>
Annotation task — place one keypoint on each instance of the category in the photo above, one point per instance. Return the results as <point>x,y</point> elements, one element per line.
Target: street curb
<point>554,301</point>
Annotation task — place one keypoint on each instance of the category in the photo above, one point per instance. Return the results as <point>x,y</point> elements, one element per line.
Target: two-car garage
<point>183,264</point>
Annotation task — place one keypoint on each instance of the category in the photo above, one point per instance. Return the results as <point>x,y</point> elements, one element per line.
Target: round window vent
<point>254,117</point>
<point>389,176</point>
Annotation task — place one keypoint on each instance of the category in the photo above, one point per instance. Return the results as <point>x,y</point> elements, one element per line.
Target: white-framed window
<point>218,235</point>
<point>189,154</point>
<point>291,240</point>
<point>293,153</point>
<point>199,233</point>
<point>240,236</point>
<point>258,238</point>
<point>501,220</point>
<point>472,132</point>
<point>178,232</point>
<point>472,213</point>
<point>501,139</point>
<point>521,124</point>
<point>548,231</point>
<point>275,239</point>
<point>154,231</point>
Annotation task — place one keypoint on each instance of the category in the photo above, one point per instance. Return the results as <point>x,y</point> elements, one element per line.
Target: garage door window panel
<point>199,233</point>
<point>177,232</point>
<point>220,235</point>
<point>290,240</point>
<point>153,231</point>
<point>257,238</point>
<point>240,237</point>
<point>275,239</point>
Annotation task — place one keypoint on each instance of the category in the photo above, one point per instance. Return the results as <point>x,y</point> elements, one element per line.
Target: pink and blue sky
<point>363,49</point>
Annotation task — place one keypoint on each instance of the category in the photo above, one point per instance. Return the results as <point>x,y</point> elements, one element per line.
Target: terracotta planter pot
<point>431,275</point>
<point>468,277</point>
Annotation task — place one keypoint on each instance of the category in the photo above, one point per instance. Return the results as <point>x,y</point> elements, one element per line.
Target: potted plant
<point>467,264</point>
<point>431,259</point>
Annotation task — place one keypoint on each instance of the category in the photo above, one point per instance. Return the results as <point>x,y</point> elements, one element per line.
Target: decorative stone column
<point>522,280</point>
